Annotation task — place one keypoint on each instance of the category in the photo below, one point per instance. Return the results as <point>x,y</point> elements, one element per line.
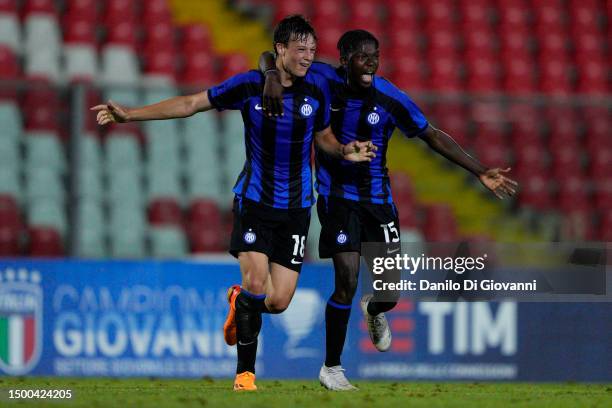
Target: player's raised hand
<point>359,151</point>
<point>110,113</point>
<point>272,99</point>
<point>498,183</point>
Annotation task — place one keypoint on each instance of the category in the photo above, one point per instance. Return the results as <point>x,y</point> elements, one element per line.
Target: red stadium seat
<point>203,211</point>
<point>328,36</point>
<point>285,8</point>
<point>40,106</point>
<point>8,6</point>
<point>588,45</point>
<point>232,64</point>
<point>483,74</point>
<point>555,76</point>
<point>553,43</point>
<point>161,63</point>
<point>160,36</point>
<point>445,70</point>
<point>480,39</point>
<point>603,192</point>
<point>549,16</point>
<point>120,11</point>
<point>122,33</point>
<point>9,70</point>
<point>566,162</point>
<point>196,38</point>
<point>513,15</point>
<point>328,11</point>
<point>10,217</point>
<point>475,13</point>
<point>534,191</point>
<point>156,12</point>
<point>600,165</point>
<point>403,13</point>
<point>453,118</point>
<point>439,12</point>
<point>79,31</point>
<point>86,10</point>
<point>39,7</point>
<point>605,229</point>
<point>199,69</point>
<point>572,195</point>
<point>9,242</point>
<point>440,224</point>
<point>408,74</point>
<point>204,239</point>
<point>165,211</point>
<point>443,41</point>
<point>45,242</point>
<point>594,77</point>
<point>520,76</point>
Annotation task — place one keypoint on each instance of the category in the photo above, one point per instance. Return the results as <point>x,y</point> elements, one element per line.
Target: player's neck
<point>286,78</point>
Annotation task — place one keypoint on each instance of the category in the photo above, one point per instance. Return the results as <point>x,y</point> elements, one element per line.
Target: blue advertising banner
<point>164,319</point>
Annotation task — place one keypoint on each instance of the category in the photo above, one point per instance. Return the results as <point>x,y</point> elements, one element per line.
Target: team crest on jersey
<point>373,118</point>
<point>21,301</point>
<point>306,110</point>
<point>249,237</point>
<point>342,238</point>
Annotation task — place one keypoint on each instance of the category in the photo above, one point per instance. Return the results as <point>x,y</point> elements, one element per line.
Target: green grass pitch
<point>160,393</point>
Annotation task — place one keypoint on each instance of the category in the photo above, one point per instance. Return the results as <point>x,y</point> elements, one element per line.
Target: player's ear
<point>343,60</point>
<point>280,49</point>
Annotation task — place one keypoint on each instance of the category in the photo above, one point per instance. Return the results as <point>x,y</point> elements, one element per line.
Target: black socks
<point>248,325</point>
<point>336,322</point>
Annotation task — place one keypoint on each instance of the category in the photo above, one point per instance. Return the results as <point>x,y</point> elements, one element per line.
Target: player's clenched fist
<point>110,113</point>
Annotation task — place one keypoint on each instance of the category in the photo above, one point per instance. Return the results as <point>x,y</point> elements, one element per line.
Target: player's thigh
<point>340,226</point>
<point>289,239</point>
<point>381,236</point>
<point>380,224</point>
<point>254,267</point>
<point>280,287</point>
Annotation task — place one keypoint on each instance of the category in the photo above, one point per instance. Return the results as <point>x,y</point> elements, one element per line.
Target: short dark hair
<point>293,27</point>
<point>353,40</point>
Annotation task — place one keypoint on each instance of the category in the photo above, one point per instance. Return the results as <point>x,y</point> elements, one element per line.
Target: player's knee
<point>277,305</point>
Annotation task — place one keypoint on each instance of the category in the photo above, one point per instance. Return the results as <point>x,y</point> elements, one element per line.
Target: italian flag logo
<point>20,321</point>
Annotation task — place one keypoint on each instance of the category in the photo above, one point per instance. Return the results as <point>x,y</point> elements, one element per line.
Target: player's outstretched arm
<point>272,98</point>
<point>354,151</point>
<point>176,107</point>
<point>493,179</point>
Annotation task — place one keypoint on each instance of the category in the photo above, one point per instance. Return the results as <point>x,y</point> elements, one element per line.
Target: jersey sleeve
<point>407,115</point>
<point>326,70</point>
<point>323,117</point>
<point>234,92</point>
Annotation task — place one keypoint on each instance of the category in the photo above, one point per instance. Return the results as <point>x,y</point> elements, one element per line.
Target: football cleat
<point>333,379</point>
<point>378,328</point>
<point>245,382</point>
<point>229,327</point>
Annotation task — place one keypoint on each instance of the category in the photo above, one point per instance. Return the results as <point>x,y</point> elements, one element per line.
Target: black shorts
<point>345,224</point>
<point>280,234</point>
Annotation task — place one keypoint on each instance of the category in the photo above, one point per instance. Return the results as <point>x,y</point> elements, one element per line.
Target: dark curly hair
<point>353,40</point>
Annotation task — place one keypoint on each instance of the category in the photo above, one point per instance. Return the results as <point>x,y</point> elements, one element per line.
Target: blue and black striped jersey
<point>277,171</point>
<point>369,115</point>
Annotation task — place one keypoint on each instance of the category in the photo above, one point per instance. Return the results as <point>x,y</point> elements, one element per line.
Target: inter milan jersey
<point>277,171</point>
<point>370,115</point>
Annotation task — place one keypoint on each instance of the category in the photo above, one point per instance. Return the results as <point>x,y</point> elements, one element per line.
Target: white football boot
<point>378,328</point>
<point>333,379</point>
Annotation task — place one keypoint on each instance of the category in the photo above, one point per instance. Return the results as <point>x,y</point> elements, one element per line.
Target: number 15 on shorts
<point>391,232</point>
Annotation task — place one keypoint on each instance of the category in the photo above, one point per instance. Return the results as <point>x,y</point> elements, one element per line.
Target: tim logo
<point>20,320</point>
<point>299,321</point>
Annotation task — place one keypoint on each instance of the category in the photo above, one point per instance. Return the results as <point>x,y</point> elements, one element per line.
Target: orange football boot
<point>245,382</point>
<point>229,327</point>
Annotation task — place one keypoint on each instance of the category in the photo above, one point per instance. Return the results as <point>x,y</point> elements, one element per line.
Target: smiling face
<point>362,65</point>
<point>297,56</point>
